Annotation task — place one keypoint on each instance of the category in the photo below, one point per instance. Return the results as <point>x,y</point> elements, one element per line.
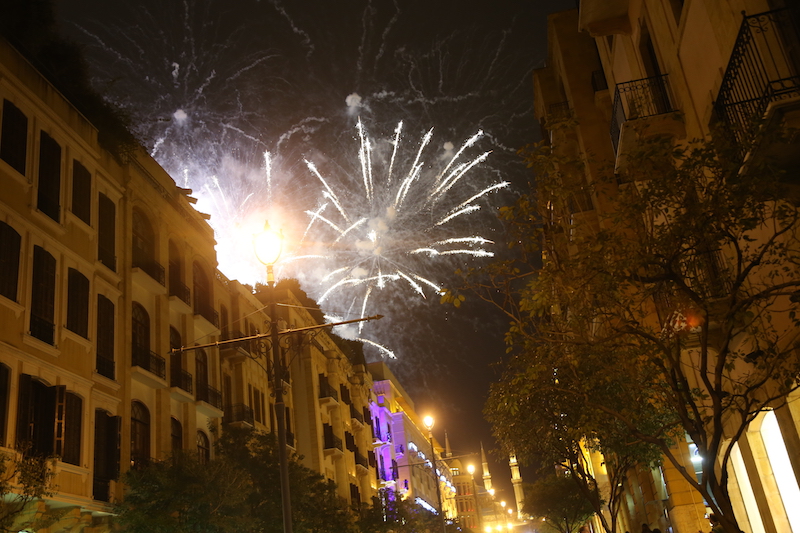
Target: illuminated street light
<point>428,423</point>
<point>268,245</point>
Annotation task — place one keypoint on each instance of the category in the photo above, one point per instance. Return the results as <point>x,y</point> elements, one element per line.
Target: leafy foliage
<point>558,501</point>
<point>24,479</point>
<point>388,513</point>
<point>238,490</point>
<point>668,309</point>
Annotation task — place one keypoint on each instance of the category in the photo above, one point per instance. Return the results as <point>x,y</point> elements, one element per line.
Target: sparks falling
<point>379,234</point>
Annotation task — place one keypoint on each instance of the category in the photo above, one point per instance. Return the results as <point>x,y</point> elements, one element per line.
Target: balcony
<point>107,257</point>
<point>327,394</point>
<point>150,267</point>
<point>332,445</point>
<point>361,461</point>
<point>235,351</point>
<point>101,489</point>
<point>605,17</point>
<point>764,68</point>
<point>206,311</point>
<point>356,415</point>
<point>43,329</point>
<point>105,366</point>
<point>145,359</point>
<point>179,290</point>
<point>240,414</point>
<point>209,400</point>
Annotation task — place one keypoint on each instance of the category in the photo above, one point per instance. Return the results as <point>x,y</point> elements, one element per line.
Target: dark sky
<point>212,84</point>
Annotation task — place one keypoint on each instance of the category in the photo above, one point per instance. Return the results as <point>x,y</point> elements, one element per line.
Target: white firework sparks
<point>378,232</point>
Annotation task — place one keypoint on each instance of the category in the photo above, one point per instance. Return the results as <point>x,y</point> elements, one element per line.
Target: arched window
<point>141,336</point>
<point>143,240</point>
<point>176,275</point>
<point>141,326</point>
<point>178,378</point>
<point>202,291</point>
<point>203,447</point>
<point>140,434</point>
<point>176,434</point>
<point>201,369</point>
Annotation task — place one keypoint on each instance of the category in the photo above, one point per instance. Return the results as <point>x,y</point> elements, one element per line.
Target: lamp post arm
<point>270,335</point>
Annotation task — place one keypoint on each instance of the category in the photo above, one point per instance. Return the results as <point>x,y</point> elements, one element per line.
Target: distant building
<point>403,450</point>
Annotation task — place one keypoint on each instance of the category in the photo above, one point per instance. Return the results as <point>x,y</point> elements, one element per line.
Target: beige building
<point>403,449</point>
<point>105,268</point>
<point>623,69</point>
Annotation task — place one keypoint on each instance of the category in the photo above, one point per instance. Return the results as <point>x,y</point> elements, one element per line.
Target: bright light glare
<point>428,422</point>
<point>267,245</point>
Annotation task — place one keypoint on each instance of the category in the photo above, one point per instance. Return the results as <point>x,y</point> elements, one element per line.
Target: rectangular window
<point>106,232</point>
<point>78,303</point>
<point>5,386</point>
<point>106,453</point>
<point>43,296</point>
<point>105,337</point>
<point>10,242</point>
<point>14,137</point>
<point>68,425</point>
<point>49,197</point>
<point>81,192</point>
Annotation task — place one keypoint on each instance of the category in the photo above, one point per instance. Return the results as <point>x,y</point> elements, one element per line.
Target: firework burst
<point>379,232</point>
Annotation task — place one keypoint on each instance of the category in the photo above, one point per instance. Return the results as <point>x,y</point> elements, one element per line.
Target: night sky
<point>211,85</point>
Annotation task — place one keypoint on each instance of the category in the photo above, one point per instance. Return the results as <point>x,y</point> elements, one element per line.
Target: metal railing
<point>43,329</point>
<point>143,357</point>
<point>647,97</point>
<point>176,288</point>
<point>180,378</point>
<point>327,391</point>
<point>559,111</point>
<point>105,366</point>
<point>238,412</point>
<point>206,311</point>
<point>764,67</point>
<point>361,460</point>
<point>210,395</point>
<point>356,415</point>
<point>106,256</point>
<point>151,267</point>
<point>101,489</point>
<point>332,442</point>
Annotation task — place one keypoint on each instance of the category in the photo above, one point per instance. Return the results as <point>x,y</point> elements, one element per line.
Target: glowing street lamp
<point>268,245</point>
<point>428,423</point>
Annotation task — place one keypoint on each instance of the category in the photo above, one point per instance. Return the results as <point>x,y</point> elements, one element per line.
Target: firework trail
<point>244,105</point>
<point>376,234</point>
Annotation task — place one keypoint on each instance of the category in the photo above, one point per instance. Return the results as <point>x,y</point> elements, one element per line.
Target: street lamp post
<point>267,246</point>
<point>471,470</point>
<point>428,422</point>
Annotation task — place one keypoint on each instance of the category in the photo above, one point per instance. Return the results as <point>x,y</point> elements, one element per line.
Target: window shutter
<point>24,411</point>
<point>14,137</point>
<point>73,427</point>
<point>60,393</point>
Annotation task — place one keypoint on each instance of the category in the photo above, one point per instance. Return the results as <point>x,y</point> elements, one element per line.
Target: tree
<point>671,312</point>
<point>391,513</point>
<point>237,490</point>
<point>24,480</point>
<point>557,500</point>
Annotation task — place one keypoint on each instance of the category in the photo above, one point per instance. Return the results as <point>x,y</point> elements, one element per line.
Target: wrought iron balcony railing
<point>332,442</point>
<point>148,360</point>
<point>180,378</point>
<point>206,311</point>
<point>177,288</point>
<point>647,97</point>
<point>354,413</point>
<point>151,267</point>
<point>105,366</point>
<point>764,67</point>
<point>43,329</point>
<point>238,412</point>
<point>327,391</point>
<point>210,395</point>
